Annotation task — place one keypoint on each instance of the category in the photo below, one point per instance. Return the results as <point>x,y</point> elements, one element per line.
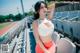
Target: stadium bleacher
<point>65,22</point>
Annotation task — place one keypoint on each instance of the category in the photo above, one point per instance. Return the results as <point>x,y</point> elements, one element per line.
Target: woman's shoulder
<point>35,23</point>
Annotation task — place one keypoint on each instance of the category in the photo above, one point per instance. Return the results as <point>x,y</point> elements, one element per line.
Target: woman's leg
<point>38,49</point>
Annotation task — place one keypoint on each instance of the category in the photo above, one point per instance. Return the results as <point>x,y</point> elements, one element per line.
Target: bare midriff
<point>45,39</point>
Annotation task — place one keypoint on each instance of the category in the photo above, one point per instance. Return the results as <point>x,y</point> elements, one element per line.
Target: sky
<point>14,6</point>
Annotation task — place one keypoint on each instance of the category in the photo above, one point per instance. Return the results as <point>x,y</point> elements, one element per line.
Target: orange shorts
<point>50,46</point>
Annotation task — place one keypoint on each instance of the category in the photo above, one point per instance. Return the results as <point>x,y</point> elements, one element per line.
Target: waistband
<point>48,44</point>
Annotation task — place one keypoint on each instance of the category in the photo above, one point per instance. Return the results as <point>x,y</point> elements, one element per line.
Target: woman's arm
<point>51,11</point>
<point>36,35</point>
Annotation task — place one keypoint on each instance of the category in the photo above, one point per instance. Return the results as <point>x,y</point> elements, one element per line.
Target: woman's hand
<point>46,51</point>
<point>51,7</point>
<point>52,49</point>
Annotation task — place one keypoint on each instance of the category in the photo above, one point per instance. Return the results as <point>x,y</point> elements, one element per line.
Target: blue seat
<point>72,14</point>
<point>57,14</point>
<point>76,15</point>
<point>64,14</point>
<point>67,15</point>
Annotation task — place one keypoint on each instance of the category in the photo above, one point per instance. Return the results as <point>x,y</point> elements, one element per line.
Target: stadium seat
<point>58,14</point>
<point>79,13</point>
<point>55,37</point>
<point>64,45</point>
<point>64,14</point>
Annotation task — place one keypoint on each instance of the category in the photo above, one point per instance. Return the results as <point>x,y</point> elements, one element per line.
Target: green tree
<point>11,16</point>
<point>2,18</point>
<point>26,14</point>
<point>18,17</point>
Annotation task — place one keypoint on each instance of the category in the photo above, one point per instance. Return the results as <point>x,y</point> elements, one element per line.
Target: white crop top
<point>45,27</point>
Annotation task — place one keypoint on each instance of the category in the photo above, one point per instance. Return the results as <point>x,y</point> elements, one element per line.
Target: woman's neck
<point>42,17</point>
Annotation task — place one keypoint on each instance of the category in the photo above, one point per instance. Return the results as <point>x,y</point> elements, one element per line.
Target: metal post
<point>22,8</point>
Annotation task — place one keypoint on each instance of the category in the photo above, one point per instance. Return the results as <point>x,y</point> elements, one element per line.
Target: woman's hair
<point>37,8</point>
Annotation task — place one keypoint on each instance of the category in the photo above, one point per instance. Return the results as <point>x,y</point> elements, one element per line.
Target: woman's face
<point>43,9</point>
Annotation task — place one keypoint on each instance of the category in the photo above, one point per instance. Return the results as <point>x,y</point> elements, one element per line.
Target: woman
<point>44,42</point>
